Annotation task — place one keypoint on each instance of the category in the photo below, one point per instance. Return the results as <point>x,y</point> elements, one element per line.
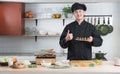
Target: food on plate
<point>18,65</point>
<point>4,59</point>
<point>82,63</point>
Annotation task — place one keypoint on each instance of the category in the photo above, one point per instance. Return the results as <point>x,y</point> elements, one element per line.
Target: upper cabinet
<point>11,18</point>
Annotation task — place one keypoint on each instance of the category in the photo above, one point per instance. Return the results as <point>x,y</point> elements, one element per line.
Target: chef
<point>79,36</point>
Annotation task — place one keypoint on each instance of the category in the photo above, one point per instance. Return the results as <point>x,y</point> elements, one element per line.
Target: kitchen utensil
<point>110,26</point>
<point>100,56</point>
<point>95,21</point>
<point>97,26</point>
<point>103,29</point>
<point>82,63</point>
<point>91,20</point>
<point>88,19</point>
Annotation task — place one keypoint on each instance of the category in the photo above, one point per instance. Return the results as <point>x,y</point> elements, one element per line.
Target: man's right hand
<point>69,36</point>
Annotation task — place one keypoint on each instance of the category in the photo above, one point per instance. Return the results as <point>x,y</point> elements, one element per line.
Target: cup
<point>117,61</point>
<point>10,62</point>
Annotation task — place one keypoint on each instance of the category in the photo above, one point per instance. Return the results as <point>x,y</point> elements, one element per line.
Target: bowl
<point>52,33</point>
<point>46,63</point>
<point>63,63</point>
<point>43,32</point>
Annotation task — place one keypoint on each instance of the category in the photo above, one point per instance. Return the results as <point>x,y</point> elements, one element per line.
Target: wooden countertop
<point>107,66</point>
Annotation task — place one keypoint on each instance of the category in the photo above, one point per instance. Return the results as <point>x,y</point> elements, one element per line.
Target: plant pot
<point>68,15</point>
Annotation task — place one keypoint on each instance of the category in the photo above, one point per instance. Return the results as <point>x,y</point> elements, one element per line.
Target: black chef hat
<point>77,6</point>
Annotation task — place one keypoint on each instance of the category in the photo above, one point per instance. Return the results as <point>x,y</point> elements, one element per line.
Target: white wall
<point>118,26</point>
<point>110,43</point>
<point>28,44</point>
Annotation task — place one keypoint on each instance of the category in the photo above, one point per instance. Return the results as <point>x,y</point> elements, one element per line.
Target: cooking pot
<point>100,56</point>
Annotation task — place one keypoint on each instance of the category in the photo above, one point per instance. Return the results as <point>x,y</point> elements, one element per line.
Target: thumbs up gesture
<point>69,36</point>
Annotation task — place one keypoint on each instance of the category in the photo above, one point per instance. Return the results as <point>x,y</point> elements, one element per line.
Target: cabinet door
<point>11,18</point>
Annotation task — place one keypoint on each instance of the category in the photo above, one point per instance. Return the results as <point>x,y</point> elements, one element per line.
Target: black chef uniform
<point>80,50</point>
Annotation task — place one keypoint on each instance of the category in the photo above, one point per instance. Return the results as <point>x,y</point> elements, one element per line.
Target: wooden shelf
<point>67,18</point>
<point>47,18</point>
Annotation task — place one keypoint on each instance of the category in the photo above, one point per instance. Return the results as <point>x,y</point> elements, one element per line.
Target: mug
<point>117,61</point>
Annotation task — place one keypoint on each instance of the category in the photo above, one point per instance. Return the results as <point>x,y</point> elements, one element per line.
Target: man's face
<point>79,14</point>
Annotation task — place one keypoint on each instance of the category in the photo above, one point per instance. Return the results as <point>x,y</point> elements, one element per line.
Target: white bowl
<point>44,15</point>
<point>63,63</point>
<point>46,63</point>
<point>52,33</point>
<point>43,32</point>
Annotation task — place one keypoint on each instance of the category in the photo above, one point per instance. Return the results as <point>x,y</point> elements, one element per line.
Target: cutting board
<point>82,63</point>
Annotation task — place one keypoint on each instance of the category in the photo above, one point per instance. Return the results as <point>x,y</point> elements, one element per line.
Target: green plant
<point>67,10</point>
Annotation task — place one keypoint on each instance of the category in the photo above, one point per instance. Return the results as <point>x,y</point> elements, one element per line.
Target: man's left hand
<point>90,39</point>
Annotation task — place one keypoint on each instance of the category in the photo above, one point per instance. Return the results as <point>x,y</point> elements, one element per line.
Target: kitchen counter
<point>106,67</point>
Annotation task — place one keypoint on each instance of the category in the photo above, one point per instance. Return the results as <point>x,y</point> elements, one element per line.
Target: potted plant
<point>68,12</point>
